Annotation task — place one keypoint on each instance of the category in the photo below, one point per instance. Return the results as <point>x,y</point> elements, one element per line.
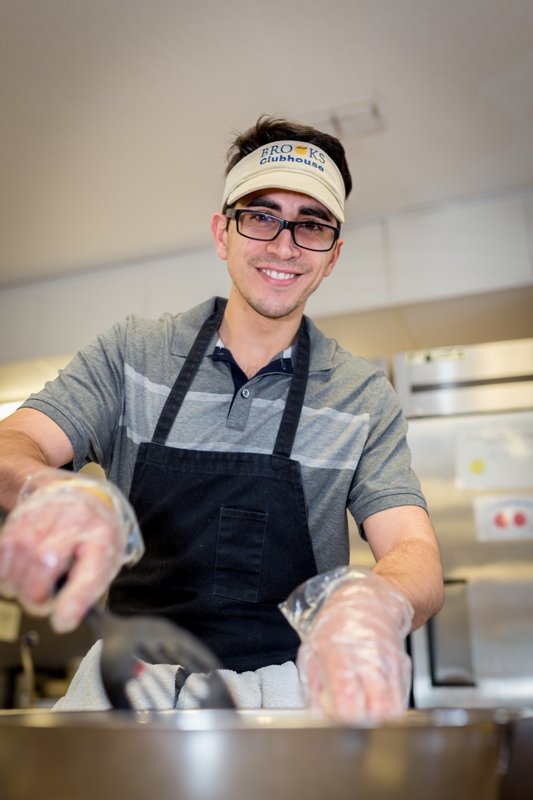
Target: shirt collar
<point>285,354</point>
<point>189,323</point>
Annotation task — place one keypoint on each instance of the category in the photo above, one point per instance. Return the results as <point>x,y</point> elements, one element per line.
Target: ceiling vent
<point>346,121</point>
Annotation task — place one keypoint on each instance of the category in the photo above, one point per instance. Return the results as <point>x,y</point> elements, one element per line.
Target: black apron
<point>226,534</point>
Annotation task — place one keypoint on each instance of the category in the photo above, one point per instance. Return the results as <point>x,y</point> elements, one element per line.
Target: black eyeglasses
<point>308,234</point>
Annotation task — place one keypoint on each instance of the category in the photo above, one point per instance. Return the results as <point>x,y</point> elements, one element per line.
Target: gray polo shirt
<point>350,441</point>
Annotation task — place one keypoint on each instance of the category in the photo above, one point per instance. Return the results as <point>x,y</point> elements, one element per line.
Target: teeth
<point>278,276</point>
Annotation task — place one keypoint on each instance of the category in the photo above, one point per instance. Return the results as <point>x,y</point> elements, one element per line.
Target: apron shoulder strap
<point>295,399</point>
<point>187,373</point>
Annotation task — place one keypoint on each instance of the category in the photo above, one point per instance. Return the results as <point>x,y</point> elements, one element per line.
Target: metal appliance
<point>470,415</point>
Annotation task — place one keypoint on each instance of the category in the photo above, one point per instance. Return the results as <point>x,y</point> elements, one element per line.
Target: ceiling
<point>116,114</point>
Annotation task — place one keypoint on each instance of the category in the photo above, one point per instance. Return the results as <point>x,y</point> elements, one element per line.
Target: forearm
<point>405,547</point>
<point>20,456</point>
<point>414,568</point>
<point>29,442</point>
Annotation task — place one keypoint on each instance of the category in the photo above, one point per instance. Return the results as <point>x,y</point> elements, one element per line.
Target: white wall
<point>450,250</point>
<point>61,315</point>
<point>457,249</point>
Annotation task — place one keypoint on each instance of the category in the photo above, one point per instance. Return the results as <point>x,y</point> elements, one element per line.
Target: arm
<point>352,621</point>
<point>29,441</point>
<point>352,657</point>
<point>407,554</point>
<point>63,523</point>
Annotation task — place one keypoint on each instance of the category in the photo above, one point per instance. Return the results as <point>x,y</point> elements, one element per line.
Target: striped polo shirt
<point>350,440</point>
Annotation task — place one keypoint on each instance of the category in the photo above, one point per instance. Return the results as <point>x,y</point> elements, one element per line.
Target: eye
<point>311,227</point>
<point>259,219</point>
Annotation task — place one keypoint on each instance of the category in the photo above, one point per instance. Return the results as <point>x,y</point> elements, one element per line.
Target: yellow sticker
<point>477,466</point>
<point>300,149</point>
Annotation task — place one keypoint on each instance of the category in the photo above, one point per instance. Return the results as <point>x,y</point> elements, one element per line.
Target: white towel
<point>86,692</point>
<point>280,686</point>
<point>275,686</point>
<point>245,689</point>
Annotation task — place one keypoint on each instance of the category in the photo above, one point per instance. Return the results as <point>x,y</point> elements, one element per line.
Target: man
<point>241,473</point>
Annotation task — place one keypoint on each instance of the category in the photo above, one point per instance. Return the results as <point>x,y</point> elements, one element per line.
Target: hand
<point>63,523</point>
<point>352,662</point>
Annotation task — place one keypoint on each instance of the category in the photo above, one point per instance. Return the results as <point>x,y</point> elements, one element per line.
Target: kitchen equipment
<point>518,782</point>
<point>26,689</point>
<point>53,657</point>
<point>470,416</point>
<point>222,755</point>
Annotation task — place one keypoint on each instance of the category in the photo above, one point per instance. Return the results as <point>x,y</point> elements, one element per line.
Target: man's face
<point>275,278</point>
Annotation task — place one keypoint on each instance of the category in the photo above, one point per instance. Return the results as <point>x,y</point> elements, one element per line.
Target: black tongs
<point>127,641</point>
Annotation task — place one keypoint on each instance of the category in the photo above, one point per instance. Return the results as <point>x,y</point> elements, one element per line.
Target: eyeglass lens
<point>307,234</point>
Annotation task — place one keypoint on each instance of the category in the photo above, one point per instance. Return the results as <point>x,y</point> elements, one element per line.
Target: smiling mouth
<point>279,276</point>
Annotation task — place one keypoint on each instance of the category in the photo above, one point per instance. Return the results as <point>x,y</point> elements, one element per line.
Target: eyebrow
<point>308,211</point>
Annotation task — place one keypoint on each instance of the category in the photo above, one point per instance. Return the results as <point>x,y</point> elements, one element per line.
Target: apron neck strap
<point>188,372</point>
<point>295,400</point>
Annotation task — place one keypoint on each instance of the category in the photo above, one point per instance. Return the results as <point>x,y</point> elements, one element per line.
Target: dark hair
<point>271,129</point>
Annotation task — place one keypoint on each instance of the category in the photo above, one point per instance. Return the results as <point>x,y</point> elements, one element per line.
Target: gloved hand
<point>65,523</point>
<point>352,663</point>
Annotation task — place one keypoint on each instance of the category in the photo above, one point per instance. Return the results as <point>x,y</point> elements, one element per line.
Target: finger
<point>45,542</point>
<point>347,694</point>
<point>392,657</point>
<point>383,679</point>
<point>96,565</point>
<point>19,548</point>
<point>311,675</point>
<point>54,551</point>
<point>333,684</point>
<point>353,683</point>
<point>23,536</point>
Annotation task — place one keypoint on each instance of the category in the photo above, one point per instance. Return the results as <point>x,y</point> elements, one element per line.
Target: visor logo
<point>275,152</point>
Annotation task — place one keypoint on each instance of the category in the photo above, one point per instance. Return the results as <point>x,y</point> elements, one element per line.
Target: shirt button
<point>245,393</point>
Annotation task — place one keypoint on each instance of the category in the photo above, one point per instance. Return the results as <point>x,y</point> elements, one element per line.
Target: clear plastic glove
<point>352,662</point>
<point>66,523</point>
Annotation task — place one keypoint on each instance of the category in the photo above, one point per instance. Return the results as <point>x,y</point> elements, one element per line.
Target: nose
<point>283,246</point>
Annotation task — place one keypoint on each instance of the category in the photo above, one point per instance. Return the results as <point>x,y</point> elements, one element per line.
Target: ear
<point>334,258</point>
<point>220,235</point>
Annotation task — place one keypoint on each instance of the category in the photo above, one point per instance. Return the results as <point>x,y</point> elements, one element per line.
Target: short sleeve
<point>86,399</point>
<point>384,478</point>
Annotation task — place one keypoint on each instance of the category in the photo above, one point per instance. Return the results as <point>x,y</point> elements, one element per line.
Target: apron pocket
<point>241,538</point>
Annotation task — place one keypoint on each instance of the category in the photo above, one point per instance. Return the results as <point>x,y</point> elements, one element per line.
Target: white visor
<point>296,166</point>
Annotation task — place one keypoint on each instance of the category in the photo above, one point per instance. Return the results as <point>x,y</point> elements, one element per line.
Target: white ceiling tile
<point>116,114</point>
